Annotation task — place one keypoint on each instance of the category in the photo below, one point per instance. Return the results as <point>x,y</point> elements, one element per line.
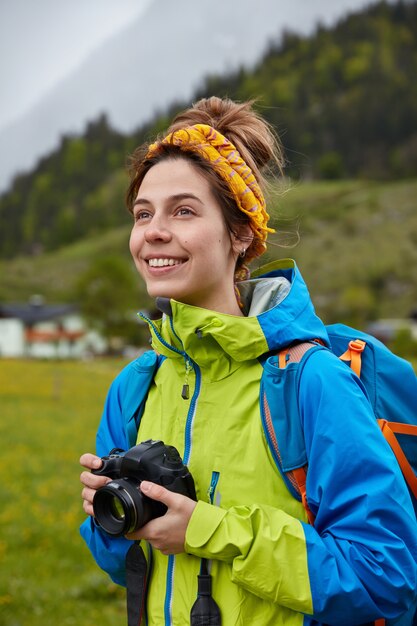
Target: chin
<point>159,292</point>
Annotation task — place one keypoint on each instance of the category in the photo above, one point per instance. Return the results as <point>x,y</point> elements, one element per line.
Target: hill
<point>344,101</point>
<point>357,250</point>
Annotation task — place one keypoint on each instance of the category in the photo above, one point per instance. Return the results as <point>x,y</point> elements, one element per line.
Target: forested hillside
<point>355,242</point>
<point>344,101</point>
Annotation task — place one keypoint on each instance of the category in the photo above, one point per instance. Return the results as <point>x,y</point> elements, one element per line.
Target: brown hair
<point>253,137</point>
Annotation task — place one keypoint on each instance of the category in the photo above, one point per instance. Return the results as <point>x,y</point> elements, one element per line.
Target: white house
<point>40,330</point>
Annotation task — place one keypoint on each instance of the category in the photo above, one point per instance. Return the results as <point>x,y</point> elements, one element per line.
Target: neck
<point>228,305</point>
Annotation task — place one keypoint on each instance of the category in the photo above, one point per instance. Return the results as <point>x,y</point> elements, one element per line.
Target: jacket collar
<point>280,312</point>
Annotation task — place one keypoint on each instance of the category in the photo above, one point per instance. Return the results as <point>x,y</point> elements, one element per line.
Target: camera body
<point>120,507</point>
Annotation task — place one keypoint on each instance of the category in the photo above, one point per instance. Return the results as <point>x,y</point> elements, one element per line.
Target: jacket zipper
<point>160,338</point>
<point>190,364</point>
<point>186,458</point>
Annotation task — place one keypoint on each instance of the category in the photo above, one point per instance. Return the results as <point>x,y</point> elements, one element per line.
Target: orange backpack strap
<point>294,354</point>
<point>300,476</point>
<point>389,429</point>
<point>354,355</point>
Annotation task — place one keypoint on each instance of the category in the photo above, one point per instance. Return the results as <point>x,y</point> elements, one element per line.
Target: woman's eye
<point>141,215</point>
<point>184,210</point>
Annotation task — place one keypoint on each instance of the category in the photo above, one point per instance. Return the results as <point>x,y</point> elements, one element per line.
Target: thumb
<point>156,492</point>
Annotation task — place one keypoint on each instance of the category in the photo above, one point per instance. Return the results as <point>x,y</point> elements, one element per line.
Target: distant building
<point>386,330</point>
<point>40,330</point>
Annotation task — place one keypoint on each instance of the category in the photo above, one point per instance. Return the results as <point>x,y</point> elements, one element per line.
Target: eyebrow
<point>174,198</point>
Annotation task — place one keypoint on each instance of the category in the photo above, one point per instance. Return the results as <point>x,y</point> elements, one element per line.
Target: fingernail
<point>145,486</point>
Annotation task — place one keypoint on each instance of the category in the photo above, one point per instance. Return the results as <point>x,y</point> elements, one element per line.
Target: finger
<point>88,494</point>
<point>93,481</point>
<point>91,461</point>
<point>88,508</point>
<point>159,493</point>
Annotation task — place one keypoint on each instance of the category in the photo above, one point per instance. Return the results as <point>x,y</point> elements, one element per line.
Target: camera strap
<point>205,611</point>
<point>136,581</point>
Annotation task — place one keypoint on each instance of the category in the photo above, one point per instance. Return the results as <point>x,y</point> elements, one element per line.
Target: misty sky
<point>43,40</point>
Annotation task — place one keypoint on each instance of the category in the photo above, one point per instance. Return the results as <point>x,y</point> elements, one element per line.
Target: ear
<point>242,238</point>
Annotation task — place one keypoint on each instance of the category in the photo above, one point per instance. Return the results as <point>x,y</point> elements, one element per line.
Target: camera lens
<point>120,507</point>
<point>116,509</point>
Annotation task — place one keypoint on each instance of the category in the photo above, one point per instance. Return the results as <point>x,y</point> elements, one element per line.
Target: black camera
<point>120,507</point>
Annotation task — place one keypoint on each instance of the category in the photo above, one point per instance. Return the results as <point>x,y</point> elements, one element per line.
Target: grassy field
<point>49,414</point>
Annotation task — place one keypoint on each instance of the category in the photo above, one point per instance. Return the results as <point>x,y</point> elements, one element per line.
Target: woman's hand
<point>90,481</point>
<point>166,533</point>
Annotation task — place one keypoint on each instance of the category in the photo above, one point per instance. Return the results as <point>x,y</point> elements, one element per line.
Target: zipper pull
<point>185,393</point>
<point>212,488</point>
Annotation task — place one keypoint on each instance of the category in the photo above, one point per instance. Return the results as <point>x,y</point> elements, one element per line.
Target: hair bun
<point>253,137</point>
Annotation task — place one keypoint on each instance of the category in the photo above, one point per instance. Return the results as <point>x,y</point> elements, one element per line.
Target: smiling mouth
<point>164,262</point>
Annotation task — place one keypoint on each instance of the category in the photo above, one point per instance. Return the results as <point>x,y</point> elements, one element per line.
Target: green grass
<point>49,414</point>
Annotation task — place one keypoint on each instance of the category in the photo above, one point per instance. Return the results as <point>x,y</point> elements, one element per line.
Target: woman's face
<point>179,241</point>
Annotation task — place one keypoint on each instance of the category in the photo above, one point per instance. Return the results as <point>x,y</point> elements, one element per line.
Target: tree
<point>107,292</point>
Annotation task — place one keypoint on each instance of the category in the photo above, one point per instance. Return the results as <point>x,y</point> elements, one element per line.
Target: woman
<point>199,217</point>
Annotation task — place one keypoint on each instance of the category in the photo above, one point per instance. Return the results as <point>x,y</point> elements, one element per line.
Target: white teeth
<point>163,262</point>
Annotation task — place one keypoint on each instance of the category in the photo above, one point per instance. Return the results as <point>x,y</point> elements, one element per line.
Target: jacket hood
<point>293,319</point>
<point>278,311</point>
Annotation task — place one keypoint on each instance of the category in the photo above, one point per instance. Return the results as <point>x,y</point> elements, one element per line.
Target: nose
<point>157,231</point>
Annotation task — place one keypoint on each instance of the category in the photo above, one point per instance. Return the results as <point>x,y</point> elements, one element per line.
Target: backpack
<point>390,384</point>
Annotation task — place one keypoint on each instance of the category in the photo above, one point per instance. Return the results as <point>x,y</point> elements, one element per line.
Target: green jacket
<point>232,467</point>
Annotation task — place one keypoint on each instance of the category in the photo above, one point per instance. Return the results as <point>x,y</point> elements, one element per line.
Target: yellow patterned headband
<point>217,149</point>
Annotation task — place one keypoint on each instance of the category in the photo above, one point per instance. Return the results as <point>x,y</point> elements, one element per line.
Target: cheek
<point>134,244</point>
<point>134,237</point>
<point>218,254</point>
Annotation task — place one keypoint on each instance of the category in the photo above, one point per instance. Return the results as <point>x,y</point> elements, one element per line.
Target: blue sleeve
<point>110,552</point>
<point>362,550</point>
<point>118,429</point>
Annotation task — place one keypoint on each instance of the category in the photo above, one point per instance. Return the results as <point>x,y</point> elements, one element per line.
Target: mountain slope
<point>161,57</point>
